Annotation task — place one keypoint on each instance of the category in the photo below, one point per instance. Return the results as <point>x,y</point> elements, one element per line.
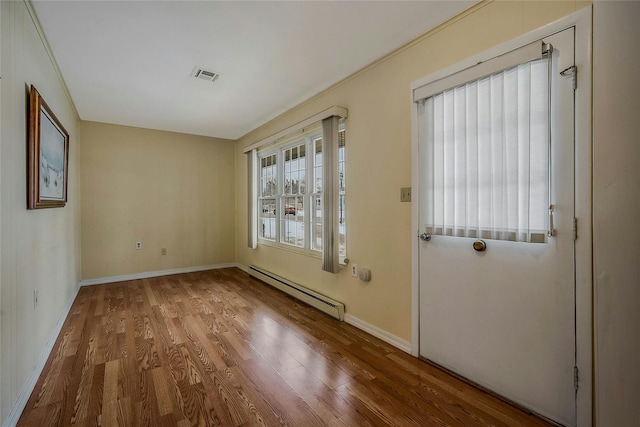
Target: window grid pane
<point>317,165</point>
<point>292,224</point>
<point>342,228</point>
<point>295,170</point>
<point>267,219</point>
<point>268,176</point>
<point>316,223</point>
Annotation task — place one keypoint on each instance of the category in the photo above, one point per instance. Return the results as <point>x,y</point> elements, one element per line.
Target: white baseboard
<point>385,336</point>
<point>27,389</point>
<point>149,274</point>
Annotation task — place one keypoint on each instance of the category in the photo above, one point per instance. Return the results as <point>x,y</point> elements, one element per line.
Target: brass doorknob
<point>479,246</point>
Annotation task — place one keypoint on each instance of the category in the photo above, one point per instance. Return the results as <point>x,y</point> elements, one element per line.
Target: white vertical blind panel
<point>487,150</point>
<point>330,249</point>
<point>252,211</point>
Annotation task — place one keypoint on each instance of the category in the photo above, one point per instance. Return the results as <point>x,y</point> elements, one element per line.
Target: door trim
<point>582,21</point>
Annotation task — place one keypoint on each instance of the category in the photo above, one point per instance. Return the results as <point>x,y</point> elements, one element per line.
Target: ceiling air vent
<point>202,74</point>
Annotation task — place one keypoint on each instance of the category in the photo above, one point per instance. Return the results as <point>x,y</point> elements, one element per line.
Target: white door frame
<point>581,20</point>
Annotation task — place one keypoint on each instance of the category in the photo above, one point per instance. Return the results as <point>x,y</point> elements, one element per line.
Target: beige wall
<point>616,197</point>
<point>167,190</point>
<point>379,161</point>
<point>41,248</point>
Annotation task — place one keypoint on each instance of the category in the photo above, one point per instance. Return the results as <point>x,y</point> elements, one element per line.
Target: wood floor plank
<point>95,397</point>
<point>86,377</point>
<point>44,416</point>
<point>110,393</point>
<point>382,409</point>
<point>260,410</point>
<point>190,366</point>
<point>212,400</point>
<point>160,386</point>
<point>220,348</point>
<point>289,408</point>
<point>309,387</point>
<point>226,397</point>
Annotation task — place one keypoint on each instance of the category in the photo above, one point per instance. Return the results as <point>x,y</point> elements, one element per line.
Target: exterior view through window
<point>290,188</point>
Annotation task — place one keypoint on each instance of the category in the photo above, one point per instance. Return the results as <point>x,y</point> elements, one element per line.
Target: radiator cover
<point>321,302</point>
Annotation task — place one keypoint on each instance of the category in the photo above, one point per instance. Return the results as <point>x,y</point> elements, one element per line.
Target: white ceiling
<point>130,62</point>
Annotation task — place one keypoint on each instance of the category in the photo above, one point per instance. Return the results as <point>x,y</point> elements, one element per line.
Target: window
<point>486,150</point>
<point>290,186</point>
<point>267,197</point>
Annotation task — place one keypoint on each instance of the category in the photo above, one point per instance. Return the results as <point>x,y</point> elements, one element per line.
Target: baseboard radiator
<point>331,307</point>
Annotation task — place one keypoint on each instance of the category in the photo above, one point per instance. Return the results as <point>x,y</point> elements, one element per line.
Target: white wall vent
<point>201,73</point>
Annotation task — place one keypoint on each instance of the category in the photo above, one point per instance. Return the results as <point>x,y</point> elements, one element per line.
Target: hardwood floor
<point>221,348</point>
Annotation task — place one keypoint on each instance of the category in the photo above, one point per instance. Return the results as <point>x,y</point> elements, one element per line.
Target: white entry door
<point>505,317</point>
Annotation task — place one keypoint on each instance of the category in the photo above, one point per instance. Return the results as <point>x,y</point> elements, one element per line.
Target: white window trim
<point>307,136</point>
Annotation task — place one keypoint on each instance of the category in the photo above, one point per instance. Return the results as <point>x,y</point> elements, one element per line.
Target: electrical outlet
<point>163,251</point>
<point>354,270</point>
<point>138,245</point>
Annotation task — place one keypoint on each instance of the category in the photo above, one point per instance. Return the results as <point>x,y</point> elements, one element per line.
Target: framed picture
<point>48,156</point>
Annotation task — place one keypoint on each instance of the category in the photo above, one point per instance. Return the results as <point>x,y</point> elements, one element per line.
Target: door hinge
<point>552,231</point>
<point>573,73</point>
<point>575,378</point>
<point>575,228</point>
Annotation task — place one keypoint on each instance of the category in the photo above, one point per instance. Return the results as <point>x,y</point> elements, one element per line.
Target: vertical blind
<point>485,149</point>
<point>330,195</point>
<point>252,214</point>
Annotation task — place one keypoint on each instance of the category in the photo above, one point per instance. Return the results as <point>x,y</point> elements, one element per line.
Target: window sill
<point>303,252</point>
<point>299,251</point>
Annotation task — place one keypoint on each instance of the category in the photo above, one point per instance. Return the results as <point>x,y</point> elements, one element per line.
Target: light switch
<point>405,194</point>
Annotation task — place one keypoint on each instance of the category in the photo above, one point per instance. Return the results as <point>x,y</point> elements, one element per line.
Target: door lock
<point>425,236</point>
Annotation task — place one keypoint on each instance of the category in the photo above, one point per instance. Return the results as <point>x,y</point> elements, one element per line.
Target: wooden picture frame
<point>48,156</point>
